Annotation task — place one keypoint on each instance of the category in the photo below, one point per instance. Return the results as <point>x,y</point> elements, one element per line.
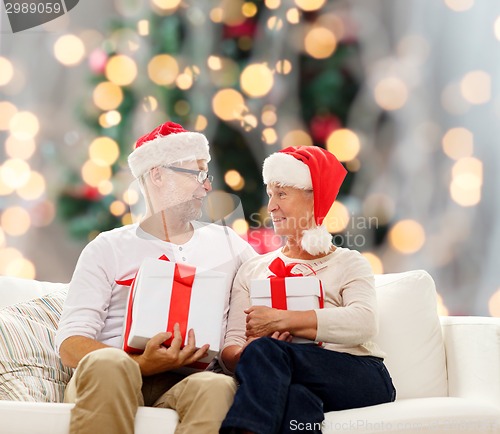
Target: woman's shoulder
<point>259,262</point>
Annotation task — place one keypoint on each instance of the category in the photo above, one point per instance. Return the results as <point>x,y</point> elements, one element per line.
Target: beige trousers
<point>107,388</point>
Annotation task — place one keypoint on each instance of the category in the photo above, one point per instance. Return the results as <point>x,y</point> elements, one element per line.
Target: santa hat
<point>167,144</point>
<point>309,168</point>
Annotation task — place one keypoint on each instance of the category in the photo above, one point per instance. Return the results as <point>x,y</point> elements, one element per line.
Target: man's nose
<point>207,185</point>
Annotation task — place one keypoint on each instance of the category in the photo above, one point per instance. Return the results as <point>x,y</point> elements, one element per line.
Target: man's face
<point>183,194</point>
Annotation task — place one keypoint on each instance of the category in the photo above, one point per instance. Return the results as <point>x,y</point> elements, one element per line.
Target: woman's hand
<point>264,321</point>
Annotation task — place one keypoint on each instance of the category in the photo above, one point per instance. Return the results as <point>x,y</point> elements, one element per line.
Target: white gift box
<point>302,293</point>
<point>200,306</point>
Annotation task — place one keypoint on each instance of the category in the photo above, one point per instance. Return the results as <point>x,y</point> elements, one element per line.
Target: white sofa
<point>446,370</point>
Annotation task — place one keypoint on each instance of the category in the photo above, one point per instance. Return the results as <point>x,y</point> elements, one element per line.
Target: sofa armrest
<point>472,346</point>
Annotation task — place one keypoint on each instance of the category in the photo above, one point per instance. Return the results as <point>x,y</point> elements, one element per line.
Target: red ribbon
<point>180,300</point>
<point>278,287</point>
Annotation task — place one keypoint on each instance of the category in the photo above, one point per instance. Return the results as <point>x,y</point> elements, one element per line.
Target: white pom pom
<point>316,241</point>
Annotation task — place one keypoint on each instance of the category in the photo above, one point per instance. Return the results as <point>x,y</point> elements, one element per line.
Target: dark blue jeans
<point>284,387</point>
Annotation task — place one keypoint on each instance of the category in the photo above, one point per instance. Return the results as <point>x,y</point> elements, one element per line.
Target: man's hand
<point>157,358</point>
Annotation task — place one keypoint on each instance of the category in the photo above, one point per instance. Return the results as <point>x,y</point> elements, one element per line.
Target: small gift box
<point>164,293</point>
<point>287,290</point>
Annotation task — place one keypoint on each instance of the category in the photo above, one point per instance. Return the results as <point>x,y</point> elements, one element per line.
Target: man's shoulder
<point>120,232</point>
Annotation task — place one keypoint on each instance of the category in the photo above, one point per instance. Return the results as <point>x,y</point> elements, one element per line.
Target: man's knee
<point>209,383</point>
<point>109,362</point>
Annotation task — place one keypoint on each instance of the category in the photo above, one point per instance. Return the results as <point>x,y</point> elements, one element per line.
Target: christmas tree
<point>253,76</point>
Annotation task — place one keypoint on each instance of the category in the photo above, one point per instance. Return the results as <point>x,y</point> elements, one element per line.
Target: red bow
<point>179,301</point>
<point>278,287</point>
<point>279,269</point>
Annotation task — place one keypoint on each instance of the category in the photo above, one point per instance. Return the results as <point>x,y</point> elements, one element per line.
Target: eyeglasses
<point>201,175</point>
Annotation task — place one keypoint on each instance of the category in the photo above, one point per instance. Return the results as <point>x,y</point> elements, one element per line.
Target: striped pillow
<point>30,368</point>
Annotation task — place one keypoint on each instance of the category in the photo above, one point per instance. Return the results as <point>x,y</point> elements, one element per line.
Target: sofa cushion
<point>30,369</point>
<point>410,334</point>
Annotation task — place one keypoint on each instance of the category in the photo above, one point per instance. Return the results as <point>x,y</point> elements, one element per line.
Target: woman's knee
<point>262,347</point>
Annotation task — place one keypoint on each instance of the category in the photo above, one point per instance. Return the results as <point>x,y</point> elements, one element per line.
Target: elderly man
<point>109,385</point>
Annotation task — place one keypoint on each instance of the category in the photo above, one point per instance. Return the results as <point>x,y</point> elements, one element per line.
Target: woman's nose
<point>271,205</point>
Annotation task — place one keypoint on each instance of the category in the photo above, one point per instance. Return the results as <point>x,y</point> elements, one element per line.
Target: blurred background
<point>404,93</point>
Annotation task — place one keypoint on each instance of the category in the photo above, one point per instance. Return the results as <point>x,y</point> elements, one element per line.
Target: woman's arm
<point>264,321</point>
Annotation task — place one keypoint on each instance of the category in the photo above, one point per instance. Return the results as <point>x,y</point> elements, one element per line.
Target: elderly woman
<point>285,386</point>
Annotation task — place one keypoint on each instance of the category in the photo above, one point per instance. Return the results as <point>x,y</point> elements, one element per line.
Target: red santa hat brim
<point>164,150</point>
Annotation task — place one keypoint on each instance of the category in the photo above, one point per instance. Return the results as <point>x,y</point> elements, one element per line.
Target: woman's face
<point>291,210</point>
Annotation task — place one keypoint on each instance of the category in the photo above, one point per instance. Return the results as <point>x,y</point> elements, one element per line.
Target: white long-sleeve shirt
<point>95,305</point>
<point>348,321</point>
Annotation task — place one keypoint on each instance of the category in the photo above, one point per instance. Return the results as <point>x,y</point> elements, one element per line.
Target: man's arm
<point>75,348</point>
<point>155,359</point>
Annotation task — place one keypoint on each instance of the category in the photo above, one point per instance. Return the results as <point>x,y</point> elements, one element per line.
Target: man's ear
<point>156,176</point>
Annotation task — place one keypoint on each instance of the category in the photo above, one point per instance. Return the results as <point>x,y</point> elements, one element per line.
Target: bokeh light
<point>296,138</point>
<point>337,218</point>
<point>20,267</point>
<point>34,188</point>
<point>234,180</point>
<point>467,180</point>
<point>6,71</point>
<point>163,69</point>
<point>110,119</point>
<point>7,111</point>
<point>494,304</point>
<point>293,16</point>
<point>272,4</point>
<point>320,42</point>
<point>283,66</point>
<point>7,255</point>
<point>375,262</point>
<point>15,172</point>
<point>269,136</point>
<point>104,151</point>
<point>15,221</point>
<point>458,143</point>
<point>121,70</point>
<point>107,95</point>
<point>391,93</point>
<point>240,226</point>
<point>117,208</point>
<point>459,5</point>
<point>274,24</point>
<point>257,80</point>
<point>69,50</point>
<point>407,236</point>
<point>228,104</point>
<point>23,149</point>
<point>24,125</point>
<point>93,174</point>
<point>200,123</point>
<point>310,5</point>
<point>476,87</point>
<point>344,144</point>
<point>249,9</point>
<point>166,5</point>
